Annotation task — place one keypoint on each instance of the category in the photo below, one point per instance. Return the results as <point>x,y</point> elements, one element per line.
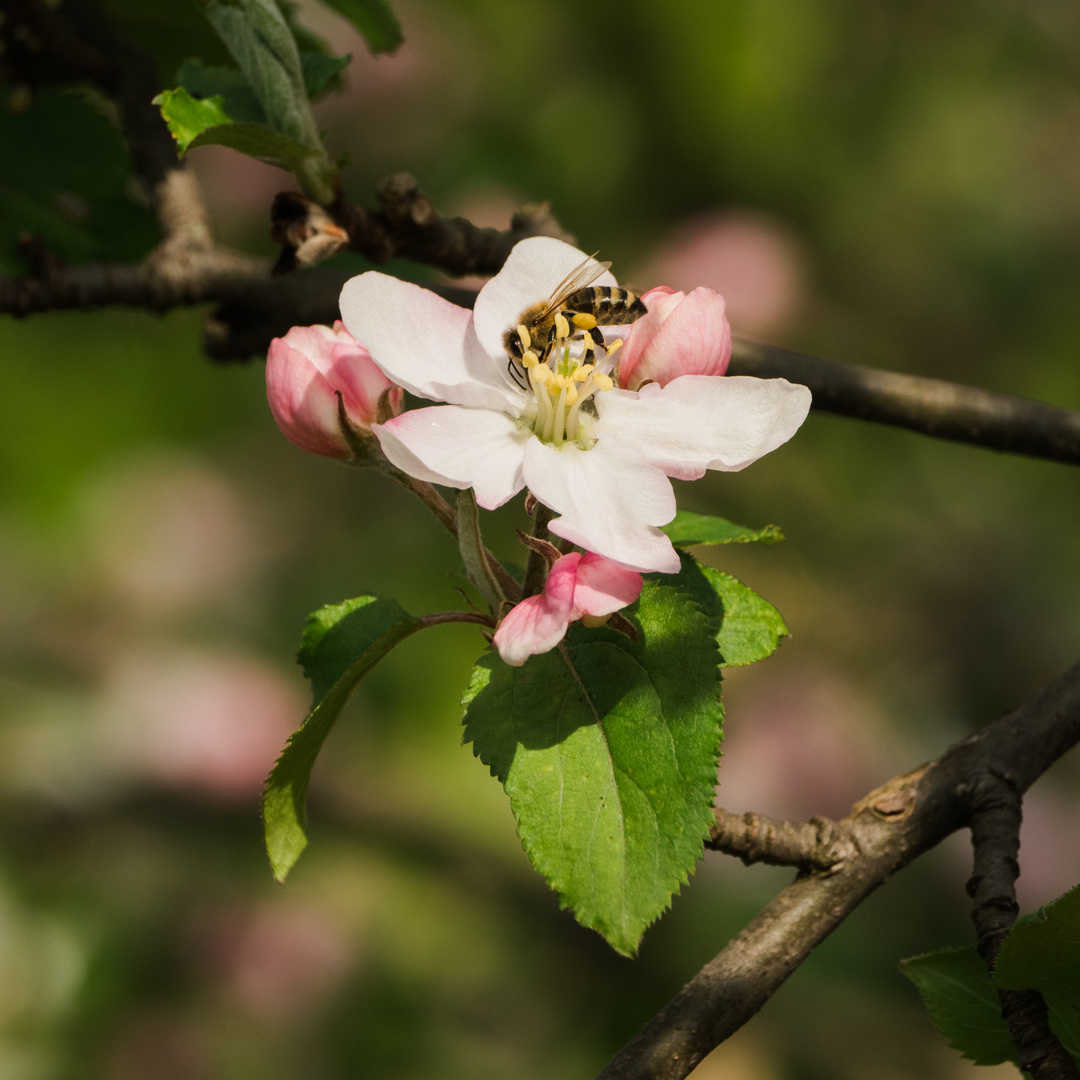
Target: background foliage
<point>892,184</point>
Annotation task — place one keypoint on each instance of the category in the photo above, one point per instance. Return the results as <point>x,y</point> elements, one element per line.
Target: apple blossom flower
<point>597,455</point>
<point>306,372</point>
<point>587,587</point>
<point>681,335</point>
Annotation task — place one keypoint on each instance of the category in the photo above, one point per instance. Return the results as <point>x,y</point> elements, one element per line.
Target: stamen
<point>559,434</point>
<point>530,359</point>
<point>562,326</point>
<point>583,372</point>
<point>524,336</point>
<point>603,382</point>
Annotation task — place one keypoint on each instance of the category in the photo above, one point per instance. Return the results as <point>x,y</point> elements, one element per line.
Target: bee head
<point>512,344</point>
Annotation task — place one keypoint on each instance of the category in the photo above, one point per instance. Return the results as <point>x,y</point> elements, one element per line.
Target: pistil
<point>563,383</point>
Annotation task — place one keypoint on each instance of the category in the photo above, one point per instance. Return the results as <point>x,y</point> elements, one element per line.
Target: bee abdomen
<point>610,306</point>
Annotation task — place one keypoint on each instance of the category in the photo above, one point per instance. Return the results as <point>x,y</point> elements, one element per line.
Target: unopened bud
<point>325,391</point>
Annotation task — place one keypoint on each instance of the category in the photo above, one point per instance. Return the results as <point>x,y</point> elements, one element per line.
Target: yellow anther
<point>542,374</point>
<point>614,347</point>
<point>530,359</point>
<point>584,321</point>
<point>524,336</point>
<point>562,326</point>
<point>571,394</point>
<point>562,381</point>
<point>583,372</point>
<point>603,382</point>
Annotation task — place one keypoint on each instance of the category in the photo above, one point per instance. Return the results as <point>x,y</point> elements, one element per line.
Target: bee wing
<point>578,278</point>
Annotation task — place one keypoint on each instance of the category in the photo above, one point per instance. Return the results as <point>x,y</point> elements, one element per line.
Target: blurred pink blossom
<point>169,534</point>
<point>201,722</point>
<point>802,743</point>
<point>307,370</point>
<point>154,1043</point>
<point>1049,845</point>
<point>681,335</point>
<point>749,257</point>
<point>277,960</point>
<point>236,185</point>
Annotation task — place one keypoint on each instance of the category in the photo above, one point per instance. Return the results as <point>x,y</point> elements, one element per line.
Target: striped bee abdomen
<point>609,305</point>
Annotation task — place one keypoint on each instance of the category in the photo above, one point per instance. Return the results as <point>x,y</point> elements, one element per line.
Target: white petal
<point>458,447</point>
<point>531,273</point>
<point>700,422</point>
<point>610,499</point>
<point>425,343</point>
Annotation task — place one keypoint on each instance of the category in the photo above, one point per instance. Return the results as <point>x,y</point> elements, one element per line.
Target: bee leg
<point>515,374</point>
<point>597,337</point>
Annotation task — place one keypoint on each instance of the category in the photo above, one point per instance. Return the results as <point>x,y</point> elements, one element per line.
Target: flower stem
<point>431,498</point>
<point>475,555</point>
<point>536,570</point>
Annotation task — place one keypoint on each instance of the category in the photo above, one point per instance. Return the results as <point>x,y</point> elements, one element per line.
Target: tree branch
<point>931,406</point>
<point>409,227</point>
<point>886,831</point>
<point>995,840</point>
<point>817,844</point>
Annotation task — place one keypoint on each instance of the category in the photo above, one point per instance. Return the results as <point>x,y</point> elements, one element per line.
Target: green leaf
<point>188,117</point>
<point>224,83</point>
<point>955,988</point>
<point>608,751</point>
<point>375,21</point>
<point>240,102</point>
<point>63,176</point>
<point>747,627</point>
<point>205,123</point>
<point>963,1000</point>
<point>690,528</point>
<point>341,644</point>
<point>261,42</point>
<point>1043,951</point>
<point>320,71</point>
<point>258,142</point>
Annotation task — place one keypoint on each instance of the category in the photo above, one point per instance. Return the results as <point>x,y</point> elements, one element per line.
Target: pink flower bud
<point>681,335</point>
<point>578,586</point>
<point>306,370</point>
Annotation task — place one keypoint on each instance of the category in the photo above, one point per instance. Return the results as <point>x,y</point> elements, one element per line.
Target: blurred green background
<point>890,184</point>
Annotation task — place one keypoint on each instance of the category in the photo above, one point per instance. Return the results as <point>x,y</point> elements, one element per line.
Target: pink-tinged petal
<point>698,422</point>
<point>681,335</point>
<point>659,302</point>
<point>531,273</point>
<point>425,343</point>
<point>538,623</point>
<point>603,586</point>
<point>306,370</point>
<point>610,500</point>
<point>458,447</point>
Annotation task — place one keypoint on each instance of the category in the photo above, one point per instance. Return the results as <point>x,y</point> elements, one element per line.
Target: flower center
<point>573,369</point>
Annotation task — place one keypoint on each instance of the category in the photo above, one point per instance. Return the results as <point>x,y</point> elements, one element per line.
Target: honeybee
<point>575,305</point>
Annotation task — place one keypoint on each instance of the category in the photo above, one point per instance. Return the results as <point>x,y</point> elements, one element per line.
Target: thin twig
<point>886,830</point>
<point>537,566</point>
<point>407,226</point>
<point>995,840</point>
<point>817,844</point>
<point>478,564</point>
<point>931,406</point>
